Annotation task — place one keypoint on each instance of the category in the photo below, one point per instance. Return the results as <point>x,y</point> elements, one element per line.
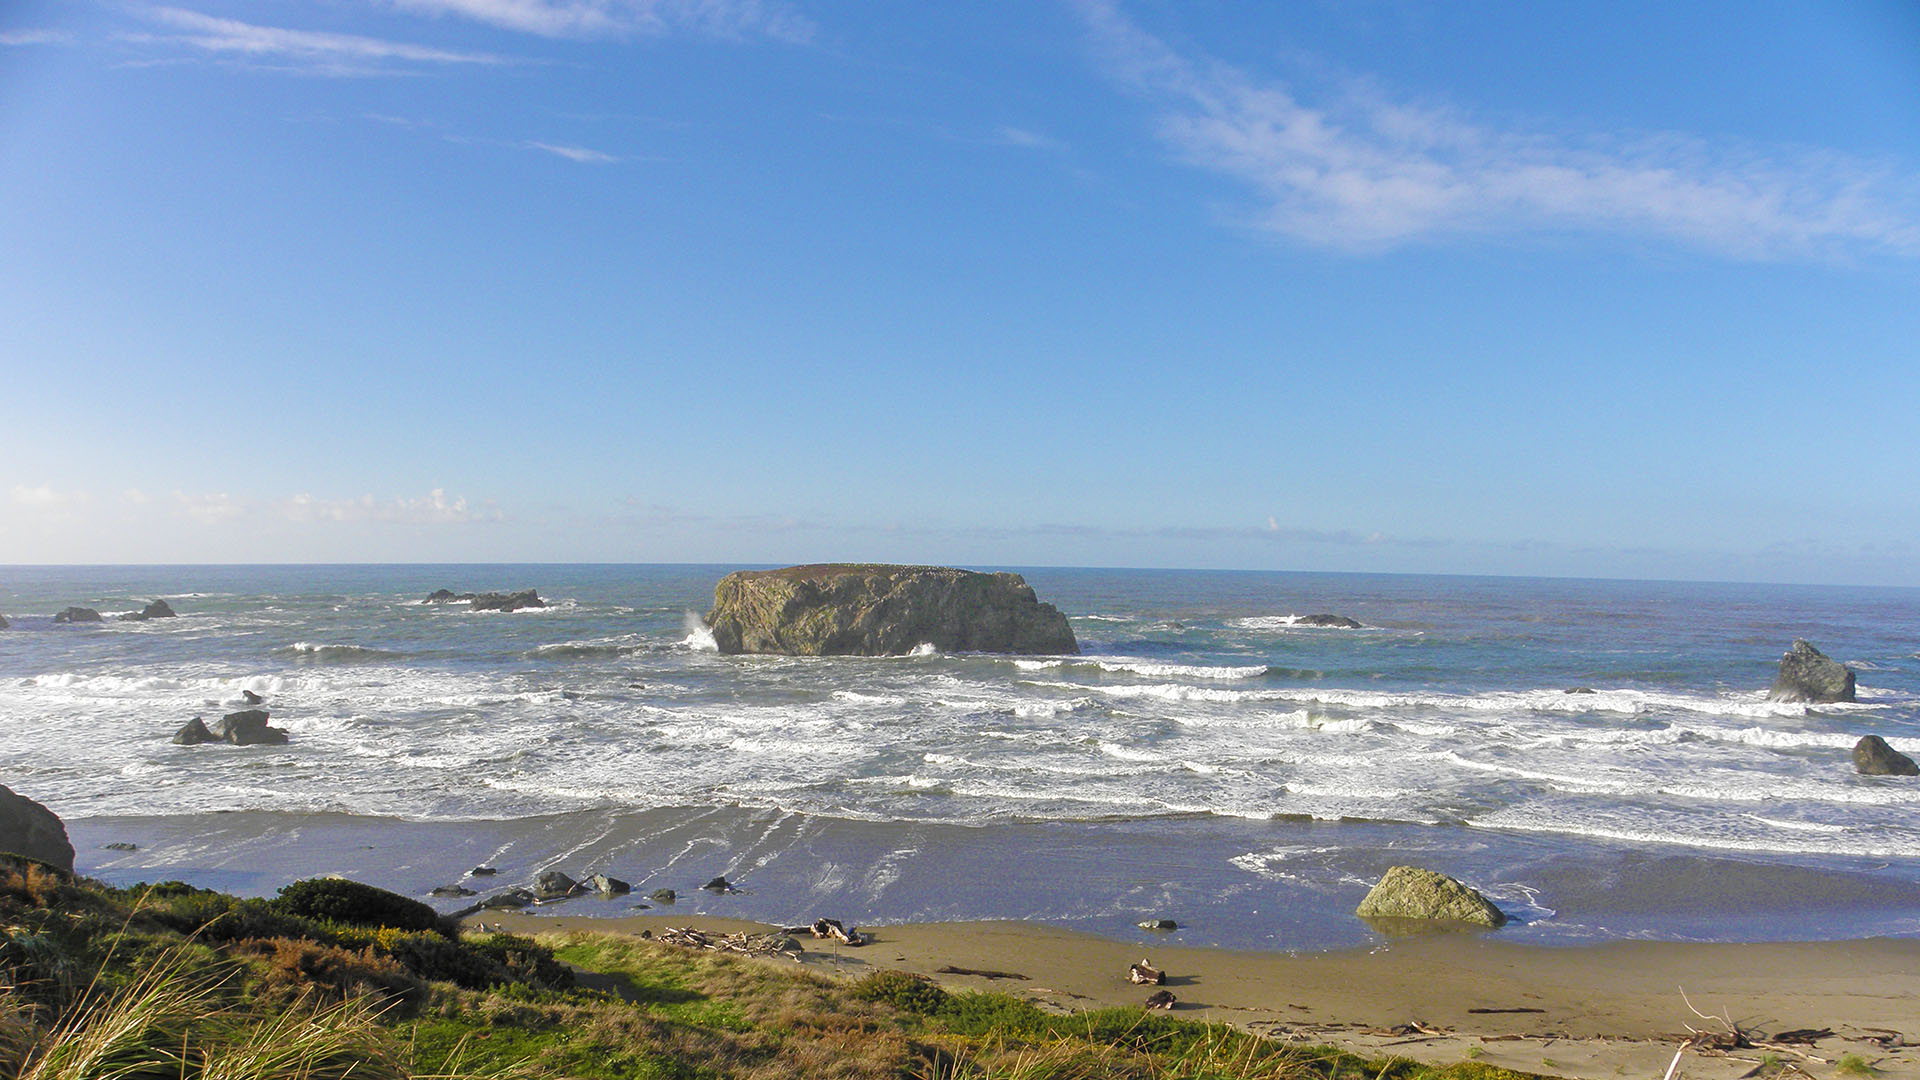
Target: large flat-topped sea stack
<point>865,609</point>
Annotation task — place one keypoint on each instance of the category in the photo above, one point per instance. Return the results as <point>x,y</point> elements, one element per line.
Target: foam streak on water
<point>1623,712</point>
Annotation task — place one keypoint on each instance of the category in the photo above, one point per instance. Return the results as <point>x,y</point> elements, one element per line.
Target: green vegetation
<point>1854,1065</point>
<point>337,981</point>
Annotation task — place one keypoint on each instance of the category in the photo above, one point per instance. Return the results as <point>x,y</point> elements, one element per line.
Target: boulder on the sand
<point>1873,757</point>
<point>509,898</point>
<point>553,885</point>
<point>1807,675</point>
<point>32,830</point>
<point>610,886</point>
<point>493,601</point>
<point>248,727</point>
<point>1408,892</point>
<point>845,609</point>
<point>77,615</point>
<point>194,733</point>
<point>1336,622</point>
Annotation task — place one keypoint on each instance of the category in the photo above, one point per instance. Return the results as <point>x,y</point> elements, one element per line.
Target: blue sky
<point>1628,289</point>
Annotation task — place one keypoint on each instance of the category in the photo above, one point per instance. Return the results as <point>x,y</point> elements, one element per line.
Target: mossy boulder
<point>847,609</point>
<point>1806,674</point>
<point>1408,892</point>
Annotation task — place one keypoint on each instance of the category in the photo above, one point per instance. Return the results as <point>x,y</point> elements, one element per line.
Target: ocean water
<point>1207,758</point>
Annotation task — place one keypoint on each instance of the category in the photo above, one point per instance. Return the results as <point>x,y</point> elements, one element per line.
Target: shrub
<point>296,968</point>
<point>354,904</point>
<point>902,990</point>
<point>523,960</point>
<point>989,1013</point>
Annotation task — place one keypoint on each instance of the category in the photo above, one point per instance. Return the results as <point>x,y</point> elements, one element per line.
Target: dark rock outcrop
<point>491,601</point>
<point>451,892</point>
<point>663,896</point>
<point>194,733</point>
<point>1408,892</point>
<point>1873,757</point>
<point>876,610</point>
<point>1337,622</point>
<point>719,885</point>
<point>159,609</point>
<point>77,615</point>
<point>32,830</point>
<point>510,898</point>
<point>554,885</point>
<point>3,622</point>
<point>1807,675</point>
<point>248,727</point>
<point>610,886</point>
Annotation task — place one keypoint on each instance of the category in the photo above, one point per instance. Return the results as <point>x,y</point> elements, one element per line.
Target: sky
<point>1484,287</point>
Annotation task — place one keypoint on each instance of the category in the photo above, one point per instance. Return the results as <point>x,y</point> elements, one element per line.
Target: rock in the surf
<point>493,601</point>
<point>1807,675</point>
<point>159,609</point>
<point>509,898</point>
<point>846,609</point>
<point>1873,757</point>
<point>663,896</point>
<point>3,622</point>
<point>719,885</point>
<point>77,615</point>
<point>1408,892</point>
<point>451,892</point>
<point>610,886</point>
<point>248,727</point>
<point>1326,619</point>
<point>251,698</point>
<point>32,830</point>
<point>194,733</point>
<point>554,885</point>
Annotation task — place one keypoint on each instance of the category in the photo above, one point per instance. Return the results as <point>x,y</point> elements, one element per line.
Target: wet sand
<point>1602,1011</point>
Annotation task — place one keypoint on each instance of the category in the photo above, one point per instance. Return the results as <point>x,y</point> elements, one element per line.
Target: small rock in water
<point>251,698</point>
<point>1327,619</point>
<point>1159,924</point>
<point>77,615</point>
<point>159,609</point>
<point>1873,757</point>
<point>610,886</point>
<point>122,845</point>
<point>452,891</point>
<point>511,898</point>
<point>483,871</point>
<point>552,885</point>
<point>247,728</point>
<point>1408,892</point>
<point>3,622</point>
<point>719,885</point>
<point>194,733</point>
<point>1581,690</point>
<point>663,896</point>
<point>643,907</point>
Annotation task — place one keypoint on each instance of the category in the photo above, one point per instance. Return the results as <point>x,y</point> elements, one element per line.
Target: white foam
<point>699,638</point>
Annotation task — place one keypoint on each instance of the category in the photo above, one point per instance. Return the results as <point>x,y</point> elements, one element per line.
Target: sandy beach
<point>1608,1010</point>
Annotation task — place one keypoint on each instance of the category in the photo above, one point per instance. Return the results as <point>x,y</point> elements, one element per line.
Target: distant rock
<point>32,830</point>
<point>120,845</point>
<point>159,609</point>
<point>492,601</point>
<point>848,609</point>
<point>77,615</point>
<point>1873,757</point>
<point>1158,924</point>
<point>3,622</point>
<point>610,886</point>
<point>663,896</point>
<point>1407,892</point>
<point>1581,690</point>
<point>452,892</point>
<point>1807,675</point>
<point>247,727</point>
<point>194,733</point>
<point>250,697</point>
<point>1336,622</point>
<point>483,871</point>
<point>509,898</point>
<point>719,885</point>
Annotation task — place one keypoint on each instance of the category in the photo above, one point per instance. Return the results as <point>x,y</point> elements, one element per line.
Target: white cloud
<point>1358,172</point>
<point>615,18</point>
<point>39,36</point>
<point>328,51</point>
<point>47,496</point>
<point>574,153</point>
<point>433,508</point>
<point>209,508</point>
<point>1027,140</point>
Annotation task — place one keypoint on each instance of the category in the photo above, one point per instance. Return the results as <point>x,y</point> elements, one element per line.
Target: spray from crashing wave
<point>699,638</point>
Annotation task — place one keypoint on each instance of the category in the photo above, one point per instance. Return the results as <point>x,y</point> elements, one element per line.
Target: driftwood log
<point>829,929</point>
<point>1145,974</point>
<point>1161,999</point>
<point>774,944</point>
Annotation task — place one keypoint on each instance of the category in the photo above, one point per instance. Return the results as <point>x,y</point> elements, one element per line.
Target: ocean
<point>1599,757</point>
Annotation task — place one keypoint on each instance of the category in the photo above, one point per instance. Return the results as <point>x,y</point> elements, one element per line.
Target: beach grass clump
<point>902,990</point>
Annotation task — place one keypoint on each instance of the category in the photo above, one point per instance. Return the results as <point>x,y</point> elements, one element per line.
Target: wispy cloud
<point>1007,135</point>
<point>36,36</point>
<point>434,508</point>
<point>46,496</point>
<point>579,154</point>
<point>1356,171</point>
<point>209,508</point>
<point>618,18</point>
<point>316,50</point>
